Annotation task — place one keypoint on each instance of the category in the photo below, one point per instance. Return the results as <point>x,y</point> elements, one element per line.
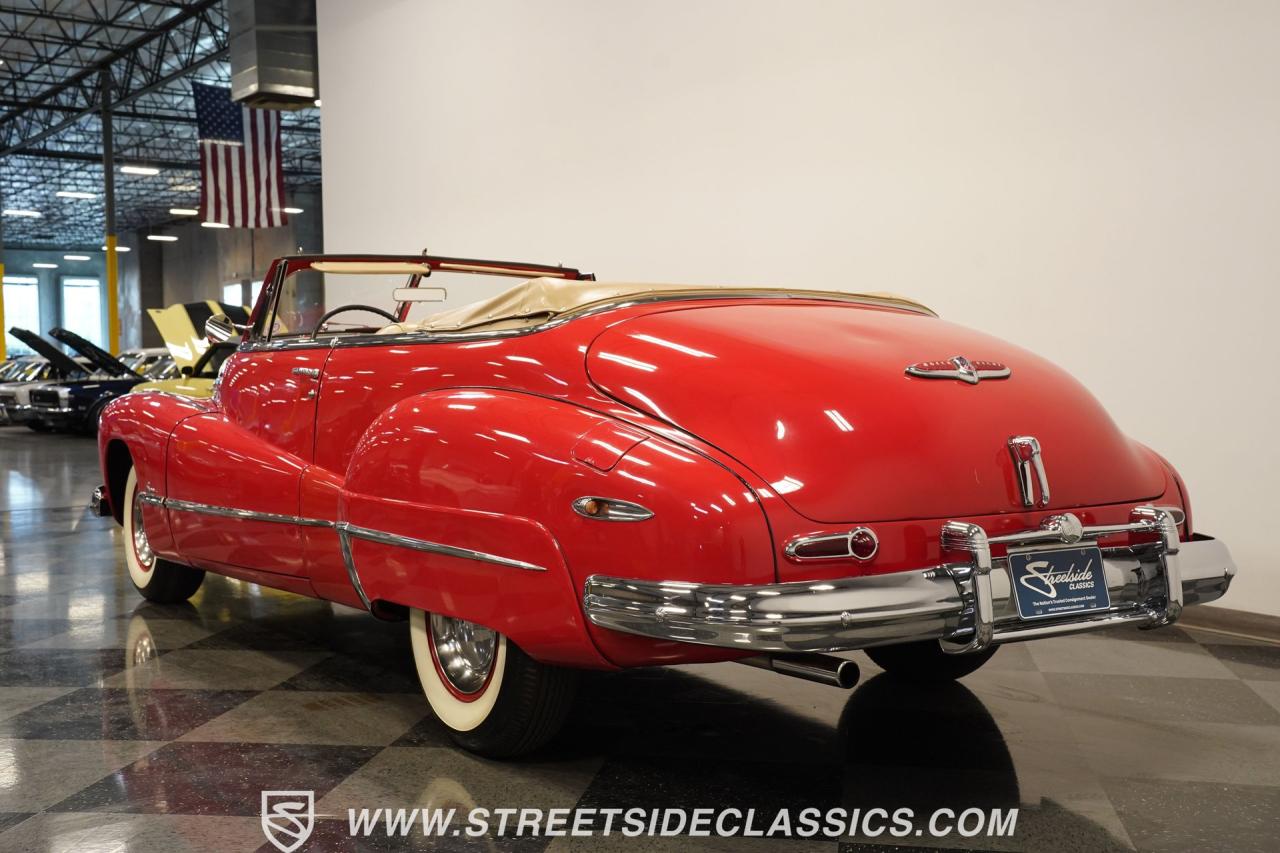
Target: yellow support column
<point>109,205</point>
<point>4,353</point>
<point>113,296</point>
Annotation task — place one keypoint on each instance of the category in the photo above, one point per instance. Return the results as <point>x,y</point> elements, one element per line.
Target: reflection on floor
<point>128,726</point>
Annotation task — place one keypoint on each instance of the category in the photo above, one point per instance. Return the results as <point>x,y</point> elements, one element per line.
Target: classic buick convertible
<point>574,474</point>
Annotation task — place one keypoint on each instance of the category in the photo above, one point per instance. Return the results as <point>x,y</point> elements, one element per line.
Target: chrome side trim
<point>349,560</point>
<point>230,512</point>
<point>345,530</point>
<point>396,539</point>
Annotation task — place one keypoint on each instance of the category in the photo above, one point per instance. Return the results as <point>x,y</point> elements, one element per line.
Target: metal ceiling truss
<point>54,53</point>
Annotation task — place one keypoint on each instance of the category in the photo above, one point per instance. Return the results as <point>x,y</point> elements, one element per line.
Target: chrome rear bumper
<point>967,606</point>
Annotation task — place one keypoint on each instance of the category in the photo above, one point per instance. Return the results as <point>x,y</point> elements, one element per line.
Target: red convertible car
<point>580,475</point>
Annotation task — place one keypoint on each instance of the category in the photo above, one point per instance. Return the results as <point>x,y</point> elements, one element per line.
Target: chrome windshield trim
<point>384,538</point>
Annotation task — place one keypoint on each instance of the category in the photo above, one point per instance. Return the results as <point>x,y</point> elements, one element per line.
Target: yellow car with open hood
<point>182,327</point>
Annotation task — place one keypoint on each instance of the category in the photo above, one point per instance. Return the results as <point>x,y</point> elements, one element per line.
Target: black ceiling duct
<point>273,53</point>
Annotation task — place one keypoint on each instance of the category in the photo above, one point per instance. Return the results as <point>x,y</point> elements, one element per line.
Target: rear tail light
<point>860,544</point>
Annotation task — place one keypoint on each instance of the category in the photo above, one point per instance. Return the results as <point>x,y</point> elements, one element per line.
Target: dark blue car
<point>75,405</point>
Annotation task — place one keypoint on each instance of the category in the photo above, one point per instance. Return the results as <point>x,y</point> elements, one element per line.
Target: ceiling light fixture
<point>292,209</point>
<point>74,194</point>
<point>11,211</point>
<point>75,257</point>
<point>214,225</point>
<point>41,265</point>
<point>183,211</point>
<point>162,238</point>
<point>118,248</point>
<point>139,170</point>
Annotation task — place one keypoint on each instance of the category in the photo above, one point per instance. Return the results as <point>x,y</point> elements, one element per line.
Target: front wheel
<point>926,661</point>
<point>495,700</point>
<point>158,580</point>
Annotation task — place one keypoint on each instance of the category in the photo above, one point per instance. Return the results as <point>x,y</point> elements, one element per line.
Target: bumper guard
<point>967,606</point>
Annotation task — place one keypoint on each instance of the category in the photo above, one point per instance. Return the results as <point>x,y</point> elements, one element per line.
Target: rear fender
<point>496,473</point>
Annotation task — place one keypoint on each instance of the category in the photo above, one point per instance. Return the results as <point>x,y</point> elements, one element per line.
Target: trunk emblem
<point>960,368</point>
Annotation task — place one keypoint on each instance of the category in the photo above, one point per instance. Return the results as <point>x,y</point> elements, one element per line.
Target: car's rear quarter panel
<point>497,472</point>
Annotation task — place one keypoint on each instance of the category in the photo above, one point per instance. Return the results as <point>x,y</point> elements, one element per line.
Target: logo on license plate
<point>1056,583</point>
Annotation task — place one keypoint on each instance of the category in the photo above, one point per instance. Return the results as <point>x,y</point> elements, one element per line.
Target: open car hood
<point>182,327</point>
<point>817,401</point>
<point>63,363</point>
<point>98,356</point>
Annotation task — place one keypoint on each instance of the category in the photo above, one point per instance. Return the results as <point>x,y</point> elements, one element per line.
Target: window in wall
<point>234,292</point>
<point>82,308</point>
<point>21,309</point>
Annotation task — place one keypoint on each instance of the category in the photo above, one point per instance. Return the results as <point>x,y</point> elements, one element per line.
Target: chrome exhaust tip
<point>811,666</point>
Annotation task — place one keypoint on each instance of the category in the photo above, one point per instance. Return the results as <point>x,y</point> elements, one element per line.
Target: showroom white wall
<point>1099,182</point>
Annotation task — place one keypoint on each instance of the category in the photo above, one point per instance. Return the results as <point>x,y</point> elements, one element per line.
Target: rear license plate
<point>1058,583</point>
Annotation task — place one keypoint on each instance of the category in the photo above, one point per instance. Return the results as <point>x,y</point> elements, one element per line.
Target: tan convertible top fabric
<point>541,299</point>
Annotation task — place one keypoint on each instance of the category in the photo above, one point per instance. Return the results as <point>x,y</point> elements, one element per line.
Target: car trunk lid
<point>815,399</point>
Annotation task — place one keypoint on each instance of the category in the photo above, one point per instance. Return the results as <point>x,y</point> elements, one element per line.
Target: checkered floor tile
<point>128,725</point>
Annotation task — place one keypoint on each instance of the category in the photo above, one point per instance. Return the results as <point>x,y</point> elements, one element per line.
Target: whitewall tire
<point>493,698</point>
<point>158,580</point>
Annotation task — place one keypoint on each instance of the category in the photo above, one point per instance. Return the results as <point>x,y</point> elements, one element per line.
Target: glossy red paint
<point>831,422</point>
<point>716,414</point>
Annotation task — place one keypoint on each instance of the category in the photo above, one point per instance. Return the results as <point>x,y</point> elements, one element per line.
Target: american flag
<point>241,177</point>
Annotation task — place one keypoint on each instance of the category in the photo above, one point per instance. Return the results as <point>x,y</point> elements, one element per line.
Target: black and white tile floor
<point>129,726</point>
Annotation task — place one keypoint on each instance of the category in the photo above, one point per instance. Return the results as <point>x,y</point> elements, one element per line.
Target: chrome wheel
<point>464,652</point>
<point>141,547</point>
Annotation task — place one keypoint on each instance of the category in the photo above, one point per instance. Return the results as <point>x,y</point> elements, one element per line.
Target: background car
<point>196,361</point>
<point>51,364</point>
<point>76,405</point>
<point>194,381</point>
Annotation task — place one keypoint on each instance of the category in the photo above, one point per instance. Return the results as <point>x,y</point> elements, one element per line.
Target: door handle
<point>309,372</point>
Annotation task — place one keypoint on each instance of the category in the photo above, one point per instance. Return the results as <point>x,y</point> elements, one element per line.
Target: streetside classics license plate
<point>1058,583</point>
